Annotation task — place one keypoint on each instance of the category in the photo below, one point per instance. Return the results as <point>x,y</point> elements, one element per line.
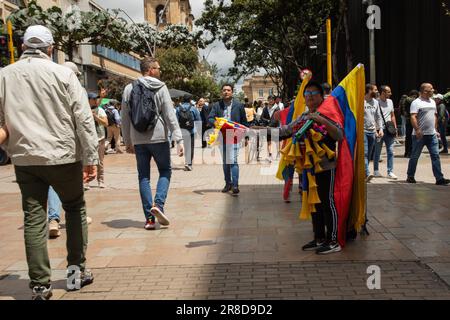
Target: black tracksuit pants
<point>325,221</point>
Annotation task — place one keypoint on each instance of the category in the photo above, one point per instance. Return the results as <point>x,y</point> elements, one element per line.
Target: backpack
<point>110,115</point>
<point>185,118</point>
<point>143,110</point>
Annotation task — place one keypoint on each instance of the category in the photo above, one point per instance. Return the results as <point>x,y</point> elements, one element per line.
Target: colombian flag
<point>345,106</point>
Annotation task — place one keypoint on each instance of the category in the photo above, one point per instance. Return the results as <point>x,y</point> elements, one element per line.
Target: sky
<point>215,53</point>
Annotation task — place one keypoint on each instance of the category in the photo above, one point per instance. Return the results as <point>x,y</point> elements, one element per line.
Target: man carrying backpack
<point>147,116</point>
<point>113,129</point>
<point>187,115</point>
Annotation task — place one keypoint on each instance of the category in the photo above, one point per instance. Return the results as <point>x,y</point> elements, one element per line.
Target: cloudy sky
<point>215,53</point>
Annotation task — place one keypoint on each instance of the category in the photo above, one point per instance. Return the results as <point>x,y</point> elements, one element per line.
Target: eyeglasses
<point>311,93</point>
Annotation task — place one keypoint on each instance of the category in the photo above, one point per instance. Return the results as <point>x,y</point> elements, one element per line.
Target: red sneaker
<point>150,225</point>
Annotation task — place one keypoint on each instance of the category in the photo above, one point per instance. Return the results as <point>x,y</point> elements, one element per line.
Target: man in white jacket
<point>153,143</point>
<point>51,135</point>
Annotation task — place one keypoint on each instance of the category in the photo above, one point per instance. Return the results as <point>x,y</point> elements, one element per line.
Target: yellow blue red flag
<point>345,106</point>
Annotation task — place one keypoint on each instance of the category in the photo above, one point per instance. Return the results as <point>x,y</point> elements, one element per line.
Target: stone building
<point>177,12</point>
<point>259,88</point>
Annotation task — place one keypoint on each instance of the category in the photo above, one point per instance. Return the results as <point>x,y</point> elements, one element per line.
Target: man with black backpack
<point>187,115</point>
<point>147,117</point>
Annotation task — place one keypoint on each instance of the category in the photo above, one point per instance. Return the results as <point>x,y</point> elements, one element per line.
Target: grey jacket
<point>47,113</point>
<point>166,122</point>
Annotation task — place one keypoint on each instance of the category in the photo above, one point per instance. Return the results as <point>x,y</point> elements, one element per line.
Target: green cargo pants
<point>67,181</point>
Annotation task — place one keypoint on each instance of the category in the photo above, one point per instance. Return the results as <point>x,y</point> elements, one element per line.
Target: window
<point>160,15</point>
<point>261,93</point>
<point>121,58</point>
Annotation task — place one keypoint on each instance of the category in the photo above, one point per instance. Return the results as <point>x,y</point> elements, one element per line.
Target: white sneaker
<point>391,175</point>
<point>88,220</point>
<point>101,185</point>
<point>377,174</point>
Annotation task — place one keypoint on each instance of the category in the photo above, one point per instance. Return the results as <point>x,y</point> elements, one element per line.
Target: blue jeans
<point>54,205</point>
<point>389,141</point>
<point>230,153</point>
<point>442,131</point>
<point>160,152</point>
<point>432,143</point>
<point>369,145</point>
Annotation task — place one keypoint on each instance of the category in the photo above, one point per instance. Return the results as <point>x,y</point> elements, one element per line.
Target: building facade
<point>177,12</point>
<point>95,62</point>
<point>259,88</point>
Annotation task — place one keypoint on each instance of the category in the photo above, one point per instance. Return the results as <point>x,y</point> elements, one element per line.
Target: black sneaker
<point>41,292</point>
<point>443,182</point>
<point>411,180</point>
<point>86,278</point>
<point>235,191</point>
<point>313,245</point>
<point>227,188</point>
<point>329,248</point>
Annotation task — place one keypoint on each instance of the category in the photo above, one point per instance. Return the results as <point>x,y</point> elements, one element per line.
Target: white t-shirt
<point>227,111</point>
<point>281,105</point>
<point>100,128</point>
<point>387,107</point>
<point>426,115</point>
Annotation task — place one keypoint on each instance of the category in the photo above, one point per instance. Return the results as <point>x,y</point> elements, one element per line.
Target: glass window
<point>261,93</point>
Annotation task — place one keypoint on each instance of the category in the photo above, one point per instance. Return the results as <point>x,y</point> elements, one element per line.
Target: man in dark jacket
<point>231,110</point>
<point>204,110</point>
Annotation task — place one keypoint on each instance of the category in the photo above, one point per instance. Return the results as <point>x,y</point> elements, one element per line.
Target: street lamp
<point>372,57</point>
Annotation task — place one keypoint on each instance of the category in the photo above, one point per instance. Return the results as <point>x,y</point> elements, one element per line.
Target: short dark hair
<point>414,93</point>
<point>369,87</point>
<point>316,85</point>
<point>147,63</point>
<point>384,87</point>
<point>326,87</point>
<point>228,85</point>
<point>187,98</point>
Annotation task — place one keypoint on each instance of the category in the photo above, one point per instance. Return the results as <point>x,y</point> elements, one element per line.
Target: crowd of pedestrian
<point>57,135</point>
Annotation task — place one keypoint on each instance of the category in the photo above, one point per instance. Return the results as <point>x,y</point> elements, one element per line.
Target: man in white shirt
<point>372,124</point>
<point>279,103</point>
<point>387,109</point>
<point>424,121</point>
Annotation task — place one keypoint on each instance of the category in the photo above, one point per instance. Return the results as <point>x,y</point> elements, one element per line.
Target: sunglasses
<point>311,93</point>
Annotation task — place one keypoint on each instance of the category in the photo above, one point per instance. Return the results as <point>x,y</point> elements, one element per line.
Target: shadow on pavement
<point>15,287</point>
<point>123,224</point>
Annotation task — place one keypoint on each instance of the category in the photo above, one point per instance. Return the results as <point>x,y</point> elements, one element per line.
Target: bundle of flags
<point>231,131</point>
<point>345,107</point>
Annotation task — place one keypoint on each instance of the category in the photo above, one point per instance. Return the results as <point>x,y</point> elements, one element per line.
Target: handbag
<point>389,125</point>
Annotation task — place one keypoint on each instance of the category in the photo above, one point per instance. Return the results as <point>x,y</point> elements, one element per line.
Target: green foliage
<point>75,27</point>
<point>104,28</point>
<point>115,86</point>
<point>181,70</point>
<point>271,34</point>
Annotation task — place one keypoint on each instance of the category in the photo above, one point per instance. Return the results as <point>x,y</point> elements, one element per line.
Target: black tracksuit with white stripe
<point>326,216</point>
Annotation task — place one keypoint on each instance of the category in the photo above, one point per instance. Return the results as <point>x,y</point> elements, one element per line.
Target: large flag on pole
<point>345,106</point>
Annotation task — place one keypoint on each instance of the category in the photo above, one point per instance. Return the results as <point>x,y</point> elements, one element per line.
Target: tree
<point>105,28</point>
<point>115,86</point>
<point>75,27</point>
<point>272,35</point>
<point>181,70</point>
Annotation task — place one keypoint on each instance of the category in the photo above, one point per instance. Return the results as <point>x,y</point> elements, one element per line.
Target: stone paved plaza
<point>222,247</point>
